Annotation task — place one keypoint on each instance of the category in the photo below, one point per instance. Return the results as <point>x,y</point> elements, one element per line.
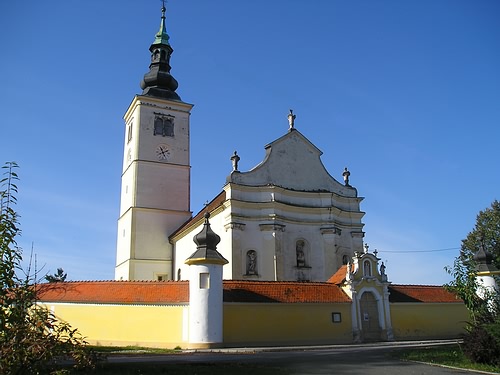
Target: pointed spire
<point>161,36</point>
<point>158,81</point>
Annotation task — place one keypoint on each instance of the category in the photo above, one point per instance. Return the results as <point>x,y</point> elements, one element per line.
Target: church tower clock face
<point>163,152</point>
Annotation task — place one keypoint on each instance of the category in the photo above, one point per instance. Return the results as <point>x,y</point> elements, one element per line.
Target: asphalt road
<point>373,360</point>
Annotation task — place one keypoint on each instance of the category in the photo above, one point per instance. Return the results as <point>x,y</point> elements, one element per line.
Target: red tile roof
<point>339,277</point>
<point>283,291</point>
<point>151,292</point>
<point>164,292</point>
<point>421,293</point>
<point>126,292</point>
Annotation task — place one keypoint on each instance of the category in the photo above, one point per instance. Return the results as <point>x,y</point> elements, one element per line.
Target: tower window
<point>164,126</point>
<point>129,132</point>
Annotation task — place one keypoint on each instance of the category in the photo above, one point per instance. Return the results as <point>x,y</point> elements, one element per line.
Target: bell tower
<point>155,187</point>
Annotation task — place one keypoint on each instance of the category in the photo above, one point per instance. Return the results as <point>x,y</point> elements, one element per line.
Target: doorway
<point>370,324</point>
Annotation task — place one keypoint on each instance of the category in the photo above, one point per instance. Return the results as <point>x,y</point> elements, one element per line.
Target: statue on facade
<point>235,159</point>
<point>252,262</point>
<point>291,120</point>
<point>346,175</point>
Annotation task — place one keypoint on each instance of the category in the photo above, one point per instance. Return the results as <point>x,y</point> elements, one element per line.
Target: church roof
<point>339,277</point>
<point>199,217</point>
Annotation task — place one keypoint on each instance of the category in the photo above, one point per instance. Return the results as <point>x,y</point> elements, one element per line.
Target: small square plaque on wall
<point>336,317</point>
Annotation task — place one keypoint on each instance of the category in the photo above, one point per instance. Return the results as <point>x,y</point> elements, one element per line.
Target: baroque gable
<point>292,162</point>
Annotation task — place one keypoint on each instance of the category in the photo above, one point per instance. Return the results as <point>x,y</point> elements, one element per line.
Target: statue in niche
<point>251,262</point>
<point>367,269</point>
<point>301,257</point>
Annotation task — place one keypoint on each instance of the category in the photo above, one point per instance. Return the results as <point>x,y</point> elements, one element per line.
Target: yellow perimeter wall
<point>428,320</point>
<point>124,325</point>
<point>285,323</point>
<point>253,323</point>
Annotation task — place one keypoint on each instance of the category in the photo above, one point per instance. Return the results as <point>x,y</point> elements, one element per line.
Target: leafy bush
<point>32,340</point>
<point>482,343</point>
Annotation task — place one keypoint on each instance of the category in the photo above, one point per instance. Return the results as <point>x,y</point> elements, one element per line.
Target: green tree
<point>59,277</point>
<point>482,339</point>
<point>486,233</point>
<point>31,338</point>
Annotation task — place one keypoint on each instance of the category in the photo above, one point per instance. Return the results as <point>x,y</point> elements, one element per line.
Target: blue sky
<point>406,94</point>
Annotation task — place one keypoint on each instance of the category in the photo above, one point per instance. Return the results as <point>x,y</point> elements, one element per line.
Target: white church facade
<point>286,219</point>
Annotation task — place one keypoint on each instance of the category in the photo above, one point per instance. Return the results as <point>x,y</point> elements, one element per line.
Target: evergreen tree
<point>58,277</point>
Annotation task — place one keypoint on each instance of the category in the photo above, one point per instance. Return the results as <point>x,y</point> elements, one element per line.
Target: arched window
<point>129,133</point>
<point>158,130</point>
<point>251,262</point>
<point>168,127</point>
<point>164,126</point>
<point>367,268</point>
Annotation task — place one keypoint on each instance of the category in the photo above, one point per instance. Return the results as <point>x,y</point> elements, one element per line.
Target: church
<point>287,219</point>
<point>277,257</point>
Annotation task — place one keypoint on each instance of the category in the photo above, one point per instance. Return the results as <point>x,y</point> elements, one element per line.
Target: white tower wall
<point>205,305</point>
<point>155,195</point>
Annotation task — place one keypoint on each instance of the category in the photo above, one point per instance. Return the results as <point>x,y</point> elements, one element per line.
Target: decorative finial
<point>235,159</point>
<point>366,248</point>
<point>291,120</point>
<point>162,36</point>
<point>375,252</point>
<point>346,175</point>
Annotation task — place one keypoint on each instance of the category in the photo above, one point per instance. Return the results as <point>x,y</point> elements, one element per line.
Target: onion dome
<point>484,261</point>
<point>158,81</point>
<point>206,249</point>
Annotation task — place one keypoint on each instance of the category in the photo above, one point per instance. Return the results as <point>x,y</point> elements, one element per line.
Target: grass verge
<point>445,355</point>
